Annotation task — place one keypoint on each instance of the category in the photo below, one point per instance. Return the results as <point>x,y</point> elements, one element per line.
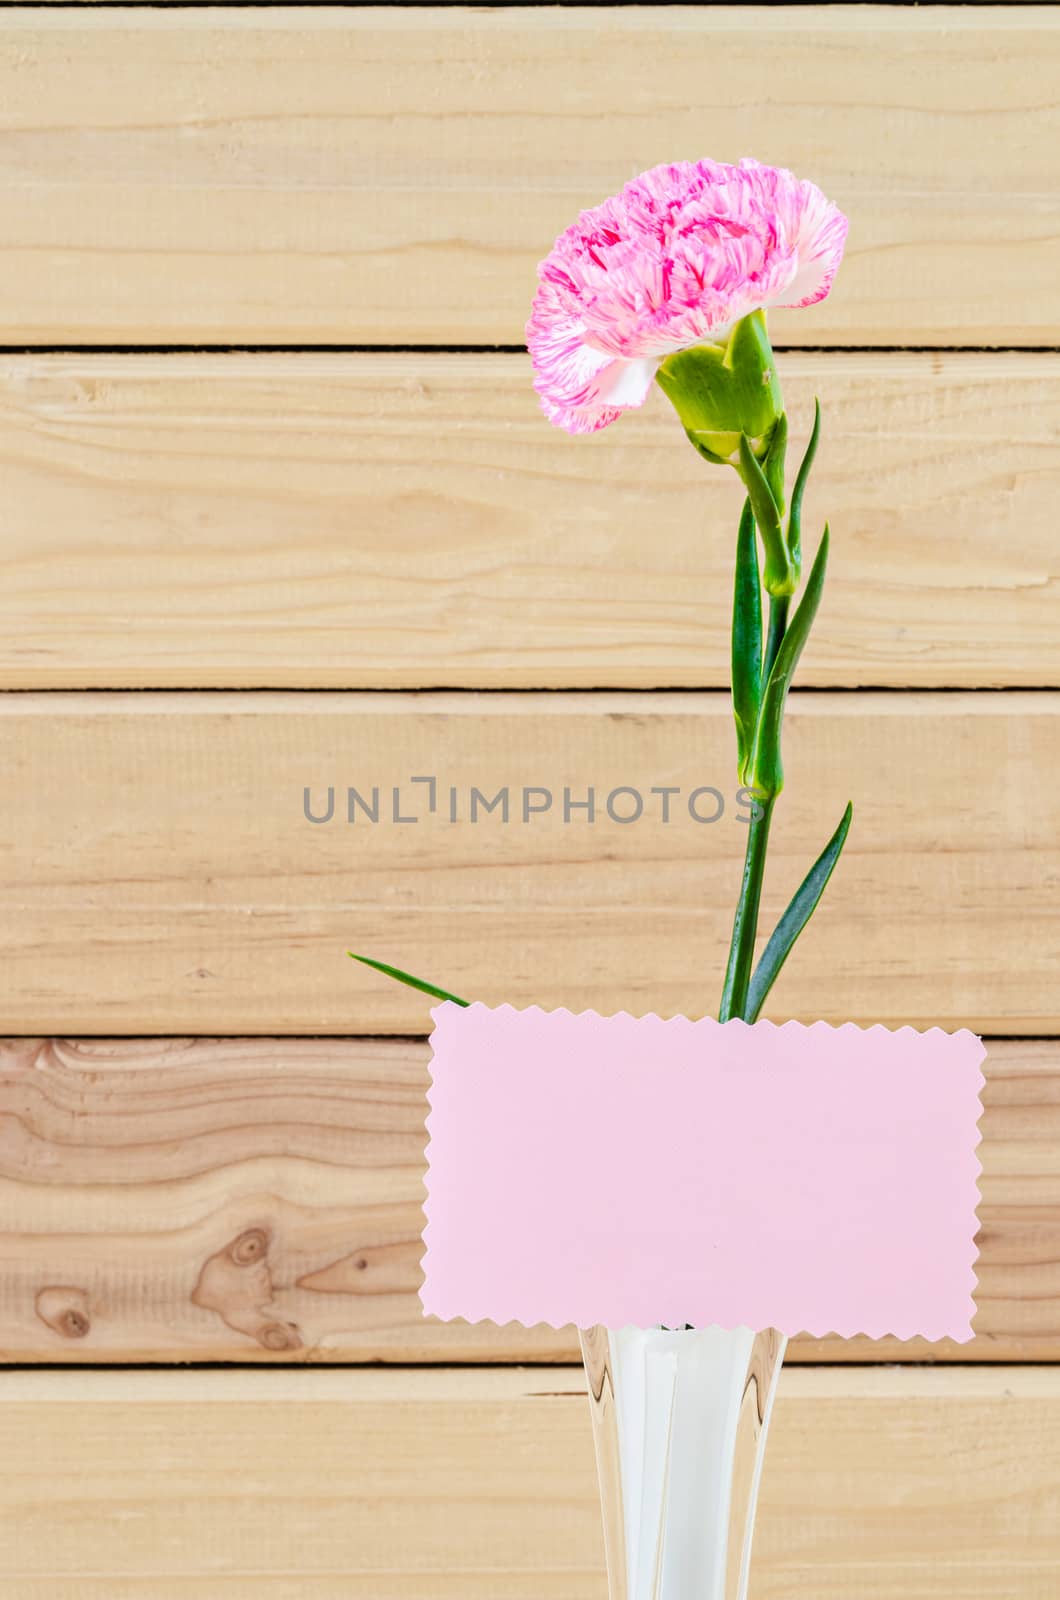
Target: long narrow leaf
<point>746,640</point>
<point>779,575</point>
<point>801,909</point>
<point>767,513</point>
<point>773,465</point>
<point>795,516</point>
<point>406,977</point>
<point>768,770</point>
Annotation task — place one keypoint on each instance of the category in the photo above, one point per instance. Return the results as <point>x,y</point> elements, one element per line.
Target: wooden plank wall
<point>268,447</point>
<point>466,1485</point>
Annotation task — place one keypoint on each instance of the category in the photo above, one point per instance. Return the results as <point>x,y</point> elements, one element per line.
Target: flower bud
<point>723,391</point>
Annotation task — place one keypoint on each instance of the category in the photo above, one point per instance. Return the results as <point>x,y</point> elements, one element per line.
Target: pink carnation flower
<point>676,259</point>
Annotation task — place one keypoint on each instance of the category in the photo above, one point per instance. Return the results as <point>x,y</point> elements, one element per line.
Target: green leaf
<point>767,768</point>
<point>406,977</point>
<point>773,464</point>
<point>767,513</point>
<point>795,517</point>
<point>779,578</point>
<point>803,904</point>
<point>746,640</point>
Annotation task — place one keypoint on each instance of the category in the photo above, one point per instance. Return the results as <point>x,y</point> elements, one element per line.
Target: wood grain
<point>885,1484</point>
<point>159,875</point>
<point>392,175</point>
<point>259,1200</point>
<point>411,521</point>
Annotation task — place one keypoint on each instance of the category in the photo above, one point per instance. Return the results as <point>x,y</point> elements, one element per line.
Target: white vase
<point>679,1423</point>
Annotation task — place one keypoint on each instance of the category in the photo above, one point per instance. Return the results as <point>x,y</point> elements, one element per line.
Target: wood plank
<point>259,1200</point>
<point>387,175</point>
<point>159,875</point>
<point>411,521</point>
<point>887,1484</point>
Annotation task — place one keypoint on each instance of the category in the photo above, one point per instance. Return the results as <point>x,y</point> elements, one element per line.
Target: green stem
<point>745,922</point>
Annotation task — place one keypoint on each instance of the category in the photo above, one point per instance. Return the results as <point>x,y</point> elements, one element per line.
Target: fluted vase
<point>680,1419</point>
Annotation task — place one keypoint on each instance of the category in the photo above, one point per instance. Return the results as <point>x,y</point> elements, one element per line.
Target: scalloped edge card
<point>648,1171</point>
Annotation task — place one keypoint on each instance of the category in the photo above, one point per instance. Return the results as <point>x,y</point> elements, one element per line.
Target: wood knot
<point>65,1311</point>
<point>374,1269</point>
<point>251,1246</point>
<point>279,1336</point>
<point>236,1284</point>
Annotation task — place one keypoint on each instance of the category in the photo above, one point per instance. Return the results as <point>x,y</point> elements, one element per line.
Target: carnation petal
<point>820,235</point>
<point>626,383</point>
<point>567,370</point>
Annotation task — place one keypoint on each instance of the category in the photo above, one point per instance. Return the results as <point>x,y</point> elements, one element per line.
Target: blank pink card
<point>635,1170</point>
